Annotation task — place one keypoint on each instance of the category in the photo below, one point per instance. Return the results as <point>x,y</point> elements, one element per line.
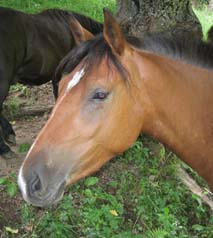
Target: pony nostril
<point>36,184</point>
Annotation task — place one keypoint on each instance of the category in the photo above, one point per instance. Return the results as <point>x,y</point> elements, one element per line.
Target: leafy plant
<point>12,107</point>
<point>91,181</point>
<point>156,233</point>
<point>24,147</point>
<point>9,184</point>
<point>19,88</point>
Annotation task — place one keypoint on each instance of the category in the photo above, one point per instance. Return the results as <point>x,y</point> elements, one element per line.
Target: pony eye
<point>100,95</point>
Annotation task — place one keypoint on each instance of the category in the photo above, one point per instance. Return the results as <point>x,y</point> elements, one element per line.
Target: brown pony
<point>112,91</point>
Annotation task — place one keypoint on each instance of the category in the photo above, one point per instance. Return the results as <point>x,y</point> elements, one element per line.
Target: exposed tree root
<point>35,111</point>
<point>195,188</point>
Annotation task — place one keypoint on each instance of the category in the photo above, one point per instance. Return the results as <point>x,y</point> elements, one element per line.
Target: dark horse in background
<point>210,36</point>
<point>31,46</point>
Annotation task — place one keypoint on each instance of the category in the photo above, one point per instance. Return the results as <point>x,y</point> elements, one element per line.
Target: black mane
<point>192,51</point>
<point>91,52</point>
<point>88,23</point>
<point>195,52</point>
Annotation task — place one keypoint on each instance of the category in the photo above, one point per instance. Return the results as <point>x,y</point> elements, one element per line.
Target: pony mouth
<point>60,193</point>
<point>47,198</point>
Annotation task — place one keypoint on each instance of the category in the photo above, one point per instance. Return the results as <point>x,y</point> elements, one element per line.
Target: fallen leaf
<point>11,230</point>
<point>114,213</point>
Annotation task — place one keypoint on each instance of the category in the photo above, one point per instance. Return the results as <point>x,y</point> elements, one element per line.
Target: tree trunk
<point>175,17</point>
<point>211,4</point>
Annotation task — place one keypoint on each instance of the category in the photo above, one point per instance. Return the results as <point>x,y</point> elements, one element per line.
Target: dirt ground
<point>27,125</point>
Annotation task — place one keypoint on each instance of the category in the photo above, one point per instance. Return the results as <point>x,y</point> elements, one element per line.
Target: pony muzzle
<point>41,187</point>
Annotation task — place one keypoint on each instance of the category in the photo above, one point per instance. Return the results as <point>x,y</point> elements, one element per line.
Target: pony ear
<point>80,34</point>
<point>113,34</point>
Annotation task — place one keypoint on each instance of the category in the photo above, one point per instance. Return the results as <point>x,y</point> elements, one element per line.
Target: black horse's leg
<point>8,132</point>
<point>55,88</point>
<point>5,150</point>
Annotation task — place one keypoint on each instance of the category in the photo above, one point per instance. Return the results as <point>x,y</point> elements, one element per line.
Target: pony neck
<point>179,109</point>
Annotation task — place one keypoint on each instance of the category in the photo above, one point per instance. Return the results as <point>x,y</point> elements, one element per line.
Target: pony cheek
<point>92,161</point>
<point>117,134</point>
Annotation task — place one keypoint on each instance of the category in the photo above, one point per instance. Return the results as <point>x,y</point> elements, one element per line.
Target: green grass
<point>93,8</point>
<point>137,195</point>
<point>206,18</point>
<point>9,184</point>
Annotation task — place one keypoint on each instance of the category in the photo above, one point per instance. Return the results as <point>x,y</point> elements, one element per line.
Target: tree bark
<point>173,17</point>
<point>211,4</point>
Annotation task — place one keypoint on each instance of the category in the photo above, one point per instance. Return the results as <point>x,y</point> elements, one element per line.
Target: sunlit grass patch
<point>205,15</point>
<point>92,8</point>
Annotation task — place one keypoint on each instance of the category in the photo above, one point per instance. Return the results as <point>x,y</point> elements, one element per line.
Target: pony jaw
<point>54,178</point>
<point>41,181</point>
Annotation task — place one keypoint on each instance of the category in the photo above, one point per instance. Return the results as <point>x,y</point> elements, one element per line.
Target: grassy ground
<point>206,17</point>
<point>137,195</point>
<point>93,9</point>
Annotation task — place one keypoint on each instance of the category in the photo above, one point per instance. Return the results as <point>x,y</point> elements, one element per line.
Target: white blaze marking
<point>22,184</point>
<point>75,80</point>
